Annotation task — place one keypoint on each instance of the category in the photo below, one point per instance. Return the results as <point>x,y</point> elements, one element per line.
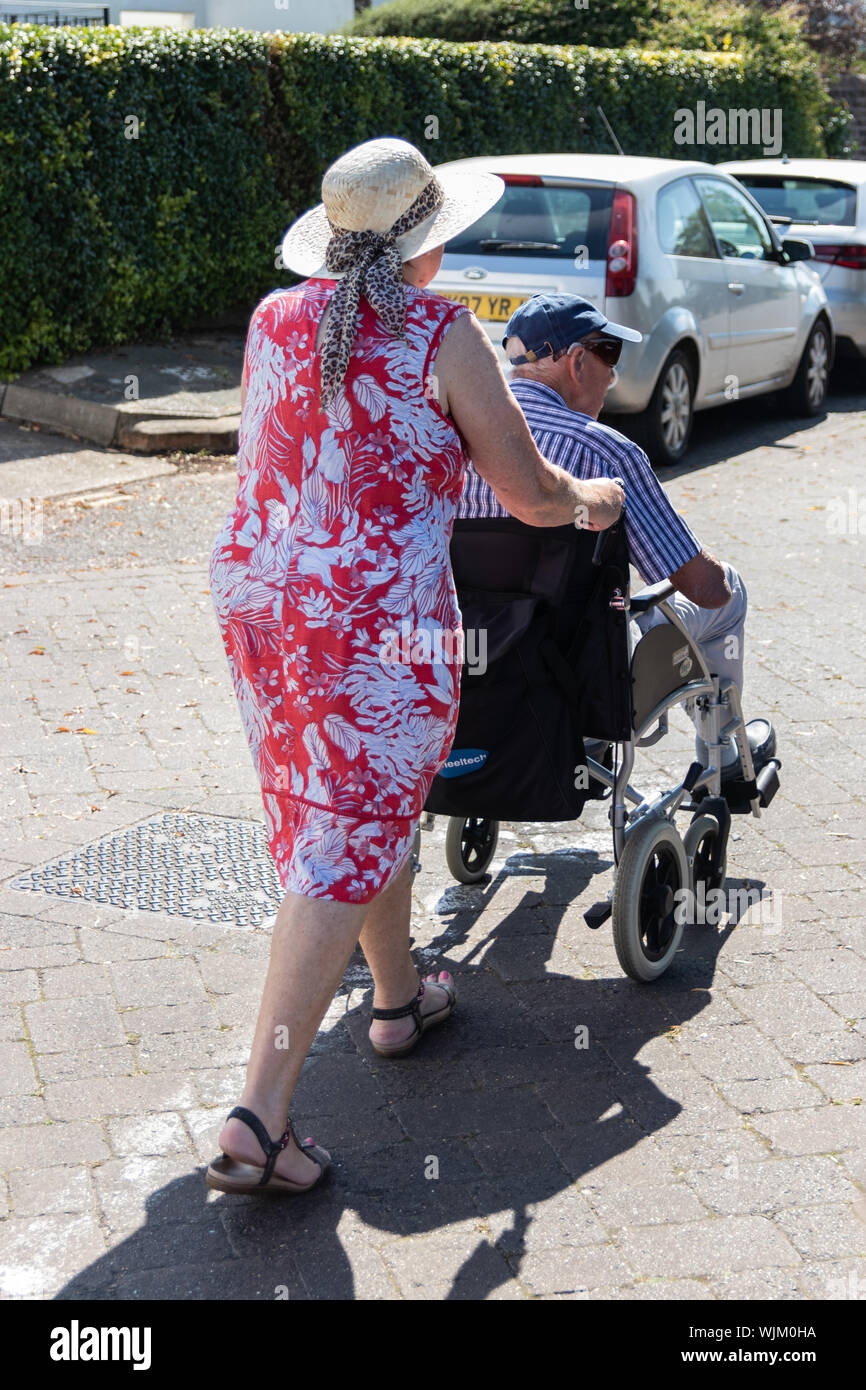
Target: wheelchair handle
<point>598,553</point>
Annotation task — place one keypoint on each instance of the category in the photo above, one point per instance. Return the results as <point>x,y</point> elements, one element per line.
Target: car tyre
<point>807,394</point>
<point>666,425</point>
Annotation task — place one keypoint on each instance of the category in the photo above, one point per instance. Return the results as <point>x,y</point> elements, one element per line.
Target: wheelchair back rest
<point>663,662</point>
<point>505,556</point>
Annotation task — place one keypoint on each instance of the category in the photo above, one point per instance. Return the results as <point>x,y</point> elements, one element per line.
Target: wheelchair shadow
<point>531,1087</point>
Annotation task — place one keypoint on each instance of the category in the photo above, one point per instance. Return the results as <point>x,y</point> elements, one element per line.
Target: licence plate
<point>495,308</point>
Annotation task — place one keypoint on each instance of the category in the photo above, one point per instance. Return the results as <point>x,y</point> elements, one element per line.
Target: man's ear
<point>577,361</point>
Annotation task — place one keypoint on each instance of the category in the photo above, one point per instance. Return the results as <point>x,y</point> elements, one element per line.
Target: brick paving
<point>707,1144</point>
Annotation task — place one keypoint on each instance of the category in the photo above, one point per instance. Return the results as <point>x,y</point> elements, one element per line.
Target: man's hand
<point>600,506</point>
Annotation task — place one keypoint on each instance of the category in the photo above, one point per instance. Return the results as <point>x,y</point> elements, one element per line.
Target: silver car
<point>674,248</point>
<point>825,200</point>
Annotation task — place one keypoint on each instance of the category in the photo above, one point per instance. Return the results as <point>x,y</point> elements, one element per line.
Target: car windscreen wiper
<point>495,244</point>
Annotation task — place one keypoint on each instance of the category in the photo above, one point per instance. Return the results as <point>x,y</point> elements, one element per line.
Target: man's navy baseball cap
<point>549,323</point>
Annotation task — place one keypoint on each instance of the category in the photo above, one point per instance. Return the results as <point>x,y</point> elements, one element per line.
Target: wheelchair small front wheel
<point>701,845</point>
<point>470,844</point>
<point>647,899</point>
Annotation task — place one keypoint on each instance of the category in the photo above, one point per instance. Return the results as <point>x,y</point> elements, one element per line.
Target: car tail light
<point>622,248</point>
<point>531,179</point>
<point>849,257</point>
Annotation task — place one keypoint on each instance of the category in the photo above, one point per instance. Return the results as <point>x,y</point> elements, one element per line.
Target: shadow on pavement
<point>541,1114</point>
<point>725,431</point>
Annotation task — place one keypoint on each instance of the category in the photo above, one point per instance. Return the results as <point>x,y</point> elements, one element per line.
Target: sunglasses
<point>608,349</point>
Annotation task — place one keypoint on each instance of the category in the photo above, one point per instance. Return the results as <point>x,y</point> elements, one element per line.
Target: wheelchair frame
<point>645,839</point>
<point>711,697</point>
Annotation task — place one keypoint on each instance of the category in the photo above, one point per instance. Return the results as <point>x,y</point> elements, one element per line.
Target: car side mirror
<point>798,249</point>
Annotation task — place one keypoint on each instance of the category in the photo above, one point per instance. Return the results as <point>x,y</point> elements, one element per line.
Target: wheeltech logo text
<point>463,760</point>
<point>77,1343</point>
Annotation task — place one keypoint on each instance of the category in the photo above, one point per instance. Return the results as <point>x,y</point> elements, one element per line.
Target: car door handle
<point>736,287</point>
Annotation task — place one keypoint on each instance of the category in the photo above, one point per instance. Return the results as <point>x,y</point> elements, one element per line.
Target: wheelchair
<point>552,719</point>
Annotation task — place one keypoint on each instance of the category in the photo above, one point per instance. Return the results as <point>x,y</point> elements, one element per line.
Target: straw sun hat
<point>370,187</point>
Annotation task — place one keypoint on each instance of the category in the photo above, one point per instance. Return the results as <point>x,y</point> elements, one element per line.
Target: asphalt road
<point>175,518</point>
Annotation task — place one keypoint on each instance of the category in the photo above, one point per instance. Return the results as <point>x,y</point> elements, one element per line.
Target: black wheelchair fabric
<point>556,668</point>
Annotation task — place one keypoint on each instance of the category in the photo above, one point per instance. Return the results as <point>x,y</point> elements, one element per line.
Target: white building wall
<point>296,16</point>
<point>264,16</point>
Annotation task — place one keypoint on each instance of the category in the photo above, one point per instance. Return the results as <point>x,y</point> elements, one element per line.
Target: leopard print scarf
<point>373,268</point>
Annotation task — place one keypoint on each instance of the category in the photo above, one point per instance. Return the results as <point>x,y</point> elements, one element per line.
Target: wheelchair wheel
<point>470,845</point>
<point>700,842</point>
<point>652,872</point>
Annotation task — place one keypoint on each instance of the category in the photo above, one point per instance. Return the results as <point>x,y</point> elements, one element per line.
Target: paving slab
<point>706,1144</point>
<point>37,466</point>
<point>141,396</point>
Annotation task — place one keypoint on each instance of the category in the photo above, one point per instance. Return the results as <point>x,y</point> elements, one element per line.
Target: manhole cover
<point>208,867</point>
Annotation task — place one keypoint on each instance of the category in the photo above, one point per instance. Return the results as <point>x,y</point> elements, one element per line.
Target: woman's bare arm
<point>474,392</point>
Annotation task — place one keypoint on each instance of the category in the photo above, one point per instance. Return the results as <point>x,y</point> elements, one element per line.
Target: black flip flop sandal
<point>422,1021</point>
<point>228,1175</point>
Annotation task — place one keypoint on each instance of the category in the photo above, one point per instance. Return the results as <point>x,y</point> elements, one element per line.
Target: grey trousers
<point>719,634</point>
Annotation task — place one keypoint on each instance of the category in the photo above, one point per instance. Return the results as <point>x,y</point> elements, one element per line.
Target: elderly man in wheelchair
<point>579,673</point>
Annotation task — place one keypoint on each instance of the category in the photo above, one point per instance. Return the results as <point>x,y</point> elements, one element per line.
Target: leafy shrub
<point>713,25</point>
<point>106,238</point>
<point>103,236</point>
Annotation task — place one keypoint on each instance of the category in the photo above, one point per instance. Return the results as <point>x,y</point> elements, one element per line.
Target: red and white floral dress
<point>338,540</point>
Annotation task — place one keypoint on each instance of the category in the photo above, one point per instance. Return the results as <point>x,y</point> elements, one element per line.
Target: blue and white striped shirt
<point>658,538</point>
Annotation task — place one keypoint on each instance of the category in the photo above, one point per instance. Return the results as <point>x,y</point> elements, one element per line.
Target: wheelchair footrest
<point>740,793</point>
<point>768,781</point>
<point>597,915</point>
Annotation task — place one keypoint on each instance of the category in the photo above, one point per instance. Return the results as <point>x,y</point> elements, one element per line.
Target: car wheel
<point>807,393</point>
<point>667,420</point>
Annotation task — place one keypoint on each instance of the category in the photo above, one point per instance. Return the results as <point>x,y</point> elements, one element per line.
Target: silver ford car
<point>674,248</point>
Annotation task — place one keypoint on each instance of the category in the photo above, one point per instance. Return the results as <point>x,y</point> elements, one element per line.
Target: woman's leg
<point>312,942</point>
<point>385,943</point>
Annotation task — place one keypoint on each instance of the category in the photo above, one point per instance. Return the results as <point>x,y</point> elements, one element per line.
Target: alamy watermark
<point>707,906</point>
<point>21,518</point>
<point>847,515</point>
<point>77,1343</point>
<point>437,646</point>
<point>736,126</point>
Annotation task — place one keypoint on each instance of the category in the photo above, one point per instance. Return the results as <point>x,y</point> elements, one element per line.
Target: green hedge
<point>712,25</point>
<point>510,21</point>
<point>104,239</point>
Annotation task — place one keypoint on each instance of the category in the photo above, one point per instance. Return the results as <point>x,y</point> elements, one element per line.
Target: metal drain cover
<point>211,868</point>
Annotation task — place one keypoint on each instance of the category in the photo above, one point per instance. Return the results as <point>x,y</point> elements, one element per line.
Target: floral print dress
<point>337,542</point>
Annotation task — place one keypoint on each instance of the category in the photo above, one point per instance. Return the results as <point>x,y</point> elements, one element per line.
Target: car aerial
<point>825,200</point>
<point>676,249</point>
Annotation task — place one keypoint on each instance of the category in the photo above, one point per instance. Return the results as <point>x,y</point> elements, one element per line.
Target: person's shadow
<point>529,1088</point>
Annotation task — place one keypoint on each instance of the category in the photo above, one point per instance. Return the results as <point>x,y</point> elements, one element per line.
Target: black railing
<point>33,12</point>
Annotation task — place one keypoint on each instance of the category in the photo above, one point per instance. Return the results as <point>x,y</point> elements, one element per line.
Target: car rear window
<point>820,202</point>
<point>559,219</point>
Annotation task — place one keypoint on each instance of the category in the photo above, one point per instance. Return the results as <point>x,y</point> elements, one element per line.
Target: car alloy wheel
<point>807,394</point>
<point>676,407</point>
<point>817,369</point>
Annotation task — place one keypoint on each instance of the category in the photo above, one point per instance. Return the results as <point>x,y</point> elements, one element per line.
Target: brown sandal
<point>422,1021</point>
<point>228,1175</point>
